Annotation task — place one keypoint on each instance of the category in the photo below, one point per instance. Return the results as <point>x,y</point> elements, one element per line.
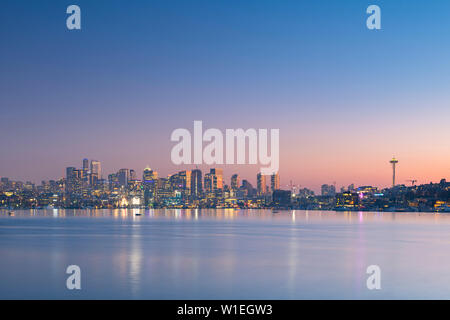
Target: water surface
<point>223,254</point>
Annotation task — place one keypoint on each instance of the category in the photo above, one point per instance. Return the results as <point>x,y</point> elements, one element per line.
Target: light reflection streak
<point>293,258</point>
<point>135,259</point>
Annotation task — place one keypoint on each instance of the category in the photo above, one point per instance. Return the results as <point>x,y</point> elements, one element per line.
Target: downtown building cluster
<point>86,187</point>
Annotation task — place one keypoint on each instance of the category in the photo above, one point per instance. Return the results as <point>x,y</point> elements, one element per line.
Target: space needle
<point>394,162</point>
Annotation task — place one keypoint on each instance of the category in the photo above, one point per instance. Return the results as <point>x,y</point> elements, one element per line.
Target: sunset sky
<point>346,99</point>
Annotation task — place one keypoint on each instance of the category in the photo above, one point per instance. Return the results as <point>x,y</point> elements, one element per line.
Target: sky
<point>345,98</point>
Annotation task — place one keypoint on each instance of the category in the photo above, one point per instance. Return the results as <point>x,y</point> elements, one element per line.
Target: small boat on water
<point>138,214</point>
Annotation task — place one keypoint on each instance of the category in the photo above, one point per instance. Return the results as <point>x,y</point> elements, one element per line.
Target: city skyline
<point>93,168</point>
<point>84,187</point>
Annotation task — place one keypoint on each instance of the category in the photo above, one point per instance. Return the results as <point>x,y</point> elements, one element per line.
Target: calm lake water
<point>223,254</point>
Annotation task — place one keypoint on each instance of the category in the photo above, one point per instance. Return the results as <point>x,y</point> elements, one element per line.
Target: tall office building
<point>175,182</point>
<point>113,181</point>
<point>149,175</point>
<point>216,179</point>
<point>235,181</point>
<point>261,184</point>
<point>208,183</point>
<point>96,172</point>
<point>164,189</point>
<point>248,188</point>
<point>150,184</point>
<point>69,178</point>
<point>85,164</point>
<point>274,182</point>
<point>73,180</point>
<point>196,182</point>
<point>133,176</point>
<point>185,180</point>
<point>123,176</point>
<point>85,172</point>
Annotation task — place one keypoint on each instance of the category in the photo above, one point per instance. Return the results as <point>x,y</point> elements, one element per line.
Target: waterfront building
<point>281,198</point>
<point>347,201</point>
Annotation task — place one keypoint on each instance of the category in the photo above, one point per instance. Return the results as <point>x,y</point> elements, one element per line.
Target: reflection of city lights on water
<point>124,202</point>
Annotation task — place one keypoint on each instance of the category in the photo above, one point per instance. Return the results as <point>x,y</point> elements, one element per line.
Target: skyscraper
<point>248,188</point>
<point>133,176</point>
<point>164,189</point>
<point>216,178</point>
<point>150,184</point>
<point>185,181</point>
<point>149,175</point>
<point>69,178</point>
<point>124,177</point>
<point>96,172</point>
<point>196,182</point>
<point>85,164</point>
<point>73,180</point>
<point>260,184</point>
<point>85,172</point>
<point>274,182</point>
<point>113,181</point>
<point>208,183</point>
<point>235,181</point>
